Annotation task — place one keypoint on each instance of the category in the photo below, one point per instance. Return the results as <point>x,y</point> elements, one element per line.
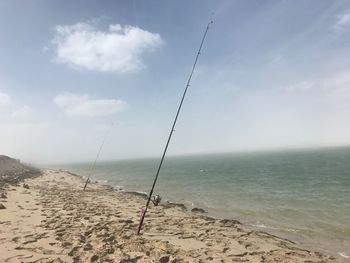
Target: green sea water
<point>303,195</point>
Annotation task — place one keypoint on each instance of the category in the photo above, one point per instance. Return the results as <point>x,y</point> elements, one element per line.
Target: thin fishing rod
<point>98,154</point>
<point>172,129</point>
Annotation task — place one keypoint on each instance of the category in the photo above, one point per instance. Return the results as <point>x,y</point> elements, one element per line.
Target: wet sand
<point>53,220</point>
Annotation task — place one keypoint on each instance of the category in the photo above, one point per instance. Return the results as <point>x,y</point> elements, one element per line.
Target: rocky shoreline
<point>13,173</point>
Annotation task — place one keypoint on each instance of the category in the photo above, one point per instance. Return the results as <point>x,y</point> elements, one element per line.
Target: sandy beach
<point>52,220</point>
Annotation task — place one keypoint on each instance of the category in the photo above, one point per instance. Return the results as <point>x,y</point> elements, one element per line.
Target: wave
<point>102,181</point>
<point>260,225</point>
<point>342,254</point>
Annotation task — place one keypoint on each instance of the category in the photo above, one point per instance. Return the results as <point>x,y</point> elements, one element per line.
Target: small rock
<point>94,258</point>
<point>88,246</point>
<point>3,195</point>
<point>25,186</point>
<point>73,251</point>
<point>164,258</point>
<point>198,210</point>
<point>88,233</point>
<point>110,239</point>
<point>82,239</point>
<point>2,206</point>
<point>66,244</point>
<point>229,222</point>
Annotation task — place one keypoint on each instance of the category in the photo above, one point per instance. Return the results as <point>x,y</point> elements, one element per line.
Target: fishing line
<point>92,169</point>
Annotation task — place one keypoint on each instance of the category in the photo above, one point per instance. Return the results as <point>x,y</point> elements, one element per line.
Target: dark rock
<point>176,205</point>
<point>3,195</point>
<point>2,206</point>
<point>229,222</point>
<point>88,246</point>
<point>198,210</point>
<point>110,239</point>
<point>88,232</point>
<point>66,244</point>
<point>94,258</point>
<point>73,251</point>
<point>164,258</point>
<point>82,239</point>
<point>25,186</point>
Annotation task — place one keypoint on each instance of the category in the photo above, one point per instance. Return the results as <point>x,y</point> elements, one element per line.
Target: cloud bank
<point>24,111</point>
<point>343,22</point>
<point>118,50</point>
<point>82,105</point>
<point>5,99</point>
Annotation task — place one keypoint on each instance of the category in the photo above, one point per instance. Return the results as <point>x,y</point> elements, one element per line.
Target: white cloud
<point>343,22</point>
<point>5,99</point>
<point>332,90</point>
<point>25,111</point>
<point>82,105</point>
<point>301,86</point>
<point>117,50</point>
<point>339,81</point>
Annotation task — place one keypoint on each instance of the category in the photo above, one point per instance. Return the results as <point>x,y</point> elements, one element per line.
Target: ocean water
<point>303,195</point>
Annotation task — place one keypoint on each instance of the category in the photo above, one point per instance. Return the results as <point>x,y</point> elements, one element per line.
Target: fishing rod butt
<point>143,214</point>
<point>86,183</point>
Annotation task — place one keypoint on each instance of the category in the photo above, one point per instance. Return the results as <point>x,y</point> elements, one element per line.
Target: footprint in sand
<point>248,245</point>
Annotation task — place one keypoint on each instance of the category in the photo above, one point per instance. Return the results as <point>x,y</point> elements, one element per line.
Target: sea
<point>302,195</point>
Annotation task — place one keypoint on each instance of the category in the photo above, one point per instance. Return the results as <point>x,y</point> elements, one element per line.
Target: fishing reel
<point>156,199</point>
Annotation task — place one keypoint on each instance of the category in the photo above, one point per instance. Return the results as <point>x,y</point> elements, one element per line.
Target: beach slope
<point>53,220</point>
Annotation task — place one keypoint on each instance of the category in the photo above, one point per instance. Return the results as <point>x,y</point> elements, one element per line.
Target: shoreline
<point>197,210</point>
<point>291,234</point>
<point>99,225</point>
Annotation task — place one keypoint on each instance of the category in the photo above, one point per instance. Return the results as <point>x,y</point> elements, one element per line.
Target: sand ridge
<point>55,221</point>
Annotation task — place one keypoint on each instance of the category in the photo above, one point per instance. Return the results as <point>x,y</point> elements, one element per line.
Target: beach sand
<point>53,220</point>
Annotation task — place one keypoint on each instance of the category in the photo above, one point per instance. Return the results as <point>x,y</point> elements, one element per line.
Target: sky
<point>271,75</point>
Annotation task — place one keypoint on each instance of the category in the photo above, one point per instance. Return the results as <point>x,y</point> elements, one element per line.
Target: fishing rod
<point>98,154</point>
<point>144,211</point>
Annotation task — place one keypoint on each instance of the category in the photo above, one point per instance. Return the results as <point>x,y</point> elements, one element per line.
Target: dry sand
<point>55,221</point>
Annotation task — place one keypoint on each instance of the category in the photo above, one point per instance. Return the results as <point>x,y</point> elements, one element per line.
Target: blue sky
<point>273,74</point>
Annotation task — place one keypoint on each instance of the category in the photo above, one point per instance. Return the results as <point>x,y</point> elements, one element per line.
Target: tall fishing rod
<point>98,154</point>
<point>172,130</point>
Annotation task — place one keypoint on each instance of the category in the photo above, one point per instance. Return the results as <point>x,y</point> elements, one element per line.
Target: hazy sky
<point>272,74</point>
